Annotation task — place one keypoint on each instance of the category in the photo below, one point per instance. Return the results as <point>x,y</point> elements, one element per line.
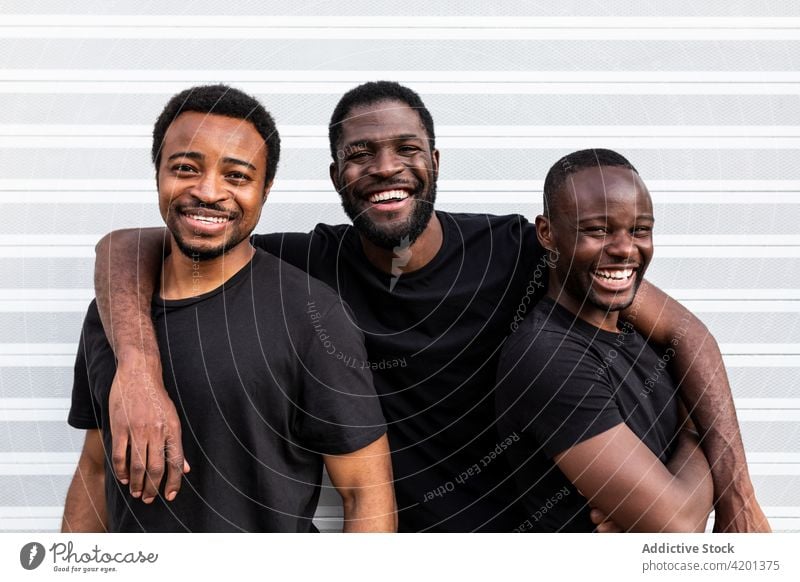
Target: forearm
<point>143,421</point>
<point>127,268</point>
<point>696,362</point>
<point>621,477</point>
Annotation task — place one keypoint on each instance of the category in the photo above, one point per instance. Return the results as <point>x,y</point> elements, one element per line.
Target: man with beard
<point>436,294</point>
<point>597,414</point>
<point>263,420</point>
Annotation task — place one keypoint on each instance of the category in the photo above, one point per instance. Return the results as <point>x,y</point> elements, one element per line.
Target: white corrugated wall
<point>702,98</point>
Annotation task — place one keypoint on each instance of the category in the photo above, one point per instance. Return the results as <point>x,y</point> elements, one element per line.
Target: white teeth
<point>388,195</point>
<point>616,275</point>
<point>212,219</point>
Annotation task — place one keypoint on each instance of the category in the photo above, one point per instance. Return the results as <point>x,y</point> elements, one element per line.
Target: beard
<point>192,246</point>
<point>402,234</point>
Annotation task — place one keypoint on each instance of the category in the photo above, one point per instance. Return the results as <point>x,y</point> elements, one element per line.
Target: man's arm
<point>85,508</point>
<point>622,478</point>
<point>141,414</point>
<point>364,480</point>
<point>697,364</point>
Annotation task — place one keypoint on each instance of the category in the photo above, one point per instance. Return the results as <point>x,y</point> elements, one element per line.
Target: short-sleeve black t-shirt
<point>433,339</point>
<point>261,396</point>
<point>562,381</point>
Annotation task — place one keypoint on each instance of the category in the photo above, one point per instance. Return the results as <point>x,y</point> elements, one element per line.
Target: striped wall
<point>702,97</point>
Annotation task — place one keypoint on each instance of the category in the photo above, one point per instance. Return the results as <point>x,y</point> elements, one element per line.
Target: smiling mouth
<point>388,196</point>
<point>614,275</point>
<point>209,219</point>
<point>615,280</point>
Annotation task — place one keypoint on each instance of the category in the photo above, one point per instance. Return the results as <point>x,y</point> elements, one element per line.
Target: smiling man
<point>436,295</point>
<point>262,401</point>
<point>598,422</point>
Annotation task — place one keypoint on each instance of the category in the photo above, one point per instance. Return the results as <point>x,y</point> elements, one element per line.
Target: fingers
<point>176,466</point>
<point>597,516</point>
<point>119,456</point>
<point>603,523</point>
<point>138,465</point>
<point>154,472</point>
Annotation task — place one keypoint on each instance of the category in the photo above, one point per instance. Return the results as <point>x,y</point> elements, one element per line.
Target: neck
<point>183,277</point>
<point>402,260</point>
<point>588,312</point>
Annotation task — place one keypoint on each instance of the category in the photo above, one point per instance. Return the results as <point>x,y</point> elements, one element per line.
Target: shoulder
<point>487,223</point>
<point>545,352</point>
<point>295,289</point>
<point>543,333</point>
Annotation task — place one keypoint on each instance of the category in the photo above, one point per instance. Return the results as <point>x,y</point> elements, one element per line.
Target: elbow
<point>369,511</point>
<point>692,515</point>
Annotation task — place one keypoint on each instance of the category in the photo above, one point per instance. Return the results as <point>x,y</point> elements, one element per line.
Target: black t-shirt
<point>260,395</point>
<point>562,381</point>
<point>433,339</point>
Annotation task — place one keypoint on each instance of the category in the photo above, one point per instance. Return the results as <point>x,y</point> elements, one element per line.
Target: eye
<point>408,149</point>
<point>595,230</point>
<point>642,231</point>
<point>238,178</point>
<point>183,168</point>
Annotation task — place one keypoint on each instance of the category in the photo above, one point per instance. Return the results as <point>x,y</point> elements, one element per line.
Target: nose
<point>209,188</point>
<point>386,164</point>
<point>620,244</point>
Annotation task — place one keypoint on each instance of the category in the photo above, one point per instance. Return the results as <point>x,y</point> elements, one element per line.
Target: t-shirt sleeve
<point>292,247</point>
<point>340,412</point>
<point>561,398</point>
<point>93,363</point>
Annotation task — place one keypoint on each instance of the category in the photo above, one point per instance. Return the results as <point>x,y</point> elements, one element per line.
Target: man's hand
<point>149,427</point>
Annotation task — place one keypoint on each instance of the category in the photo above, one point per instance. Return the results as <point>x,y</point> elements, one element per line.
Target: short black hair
<point>376,92</point>
<point>575,162</point>
<point>220,100</point>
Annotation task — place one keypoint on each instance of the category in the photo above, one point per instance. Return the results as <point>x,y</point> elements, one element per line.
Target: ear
<point>544,233</point>
<point>435,158</point>
<point>267,188</point>
<point>333,170</point>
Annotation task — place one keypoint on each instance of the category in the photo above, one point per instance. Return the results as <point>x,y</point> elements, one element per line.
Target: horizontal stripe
<point>730,349</point>
<point>731,361</point>
<point>288,143</point>
<point>575,87</point>
<point>394,21</point>
<point>87,251</point>
<point>706,301</point>
<point>280,195</point>
<point>659,240</point>
<point>491,131</point>
<point>707,294</point>
<point>692,187</point>
<point>53,525</point>
<point>62,404</point>
<point>351,77</point>
<point>391,31</point>
<point>696,306</point>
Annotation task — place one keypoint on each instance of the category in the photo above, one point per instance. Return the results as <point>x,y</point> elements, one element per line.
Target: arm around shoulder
<point>142,416</point>
<point>696,362</point>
